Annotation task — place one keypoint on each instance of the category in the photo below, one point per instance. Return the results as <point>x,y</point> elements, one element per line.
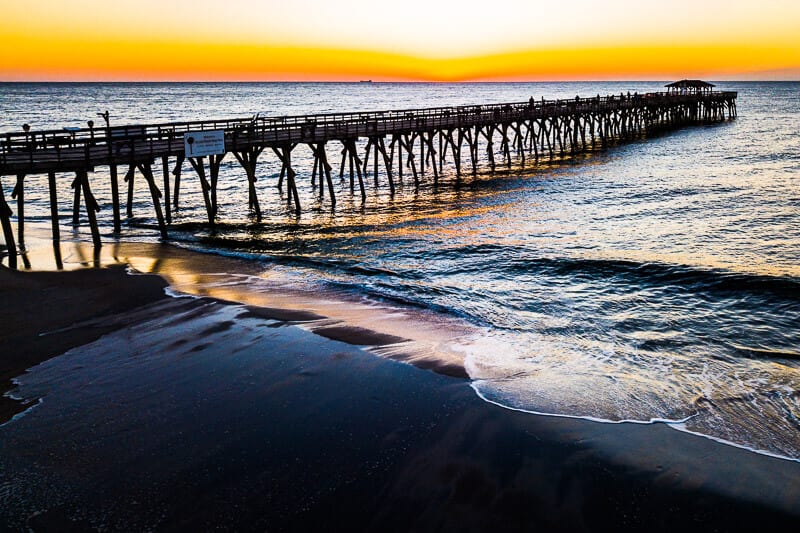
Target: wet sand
<point>200,413</point>
<point>45,313</point>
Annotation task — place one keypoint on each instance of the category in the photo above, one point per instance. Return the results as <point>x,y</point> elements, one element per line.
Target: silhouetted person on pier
<point>106,116</point>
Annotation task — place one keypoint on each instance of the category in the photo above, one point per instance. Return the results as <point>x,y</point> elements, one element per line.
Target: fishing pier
<point>417,142</point>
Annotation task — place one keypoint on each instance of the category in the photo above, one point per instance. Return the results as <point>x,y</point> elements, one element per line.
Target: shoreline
<point>36,327</point>
<point>376,444</point>
<point>409,335</point>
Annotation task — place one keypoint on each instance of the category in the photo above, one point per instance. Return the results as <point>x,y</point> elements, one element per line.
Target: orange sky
<point>413,40</point>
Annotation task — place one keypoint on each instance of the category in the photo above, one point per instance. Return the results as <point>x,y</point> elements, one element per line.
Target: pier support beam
<point>321,162</point>
<point>51,182</point>
<point>8,233</point>
<point>284,153</point>
<point>214,162</point>
<point>378,146</point>
<point>387,163</point>
<point>407,142</point>
<point>114,197</point>
<point>129,177</point>
<point>431,154</point>
<point>248,159</point>
<point>350,151</point>
<point>167,207</point>
<point>91,206</point>
<point>19,194</point>
<point>177,173</point>
<point>199,166</point>
<point>76,201</point>
<point>147,172</point>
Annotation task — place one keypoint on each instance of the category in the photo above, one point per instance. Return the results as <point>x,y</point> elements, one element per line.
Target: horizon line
<point>427,82</point>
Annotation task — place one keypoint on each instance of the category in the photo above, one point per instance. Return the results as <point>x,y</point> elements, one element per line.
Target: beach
<point>141,410</point>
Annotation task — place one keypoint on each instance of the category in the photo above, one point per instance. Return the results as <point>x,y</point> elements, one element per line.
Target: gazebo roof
<point>696,84</point>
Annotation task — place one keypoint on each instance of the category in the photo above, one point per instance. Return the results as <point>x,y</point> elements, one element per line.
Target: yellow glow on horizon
<point>425,40</point>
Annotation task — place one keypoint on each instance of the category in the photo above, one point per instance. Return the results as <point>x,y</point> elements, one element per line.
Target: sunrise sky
<point>427,40</point>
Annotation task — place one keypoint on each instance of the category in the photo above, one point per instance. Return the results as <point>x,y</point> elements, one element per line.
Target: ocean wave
<point>698,279</point>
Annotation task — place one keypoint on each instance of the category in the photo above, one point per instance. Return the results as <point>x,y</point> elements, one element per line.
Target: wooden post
<point>165,170</point>
<point>91,206</point>
<point>442,148</point>
<point>177,173</point>
<point>398,140</point>
<point>283,173</point>
<point>314,172</point>
<point>251,180</point>
<point>473,149</point>
<point>199,167</point>
<point>548,129</point>
<point>76,201</point>
<point>284,153</point>
<point>387,162</point>
<point>411,160</point>
<point>321,161</point>
<point>456,146</point>
<point>366,161</point>
<point>248,159</point>
<point>147,172</point>
<point>431,154</point>
<point>358,173</point>
<point>341,168</point>
<point>214,162</point>
<point>51,182</point>
<point>8,233</point>
<point>290,175</point>
<point>489,134</point>
<point>355,158</point>
<point>422,152</point>
<point>352,173</point>
<point>19,194</point>
<point>57,254</point>
<point>327,169</point>
<point>504,143</point>
<point>375,153</point>
<point>129,178</point>
<point>519,141</point>
<point>115,197</point>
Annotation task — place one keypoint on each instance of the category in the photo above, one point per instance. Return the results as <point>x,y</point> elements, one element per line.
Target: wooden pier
<point>415,141</point>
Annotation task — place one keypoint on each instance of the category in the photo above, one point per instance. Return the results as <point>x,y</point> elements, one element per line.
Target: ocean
<point>655,281</point>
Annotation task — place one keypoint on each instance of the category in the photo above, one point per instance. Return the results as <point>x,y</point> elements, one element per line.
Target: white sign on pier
<point>202,143</point>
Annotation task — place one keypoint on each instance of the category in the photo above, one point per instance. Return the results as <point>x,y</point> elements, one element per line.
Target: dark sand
<point>194,414</point>
<point>39,309</point>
